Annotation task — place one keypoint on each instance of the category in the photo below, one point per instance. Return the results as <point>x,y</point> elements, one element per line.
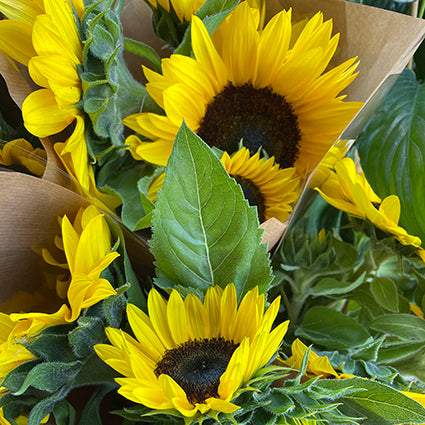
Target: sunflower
<point>46,39</point>
<point>316,366</point>
<point>87,247</point>
<point>193,357</point>
<point>264,185</point>
<point>349,191</point>
<point>248,83</point>
<point>20,153</point>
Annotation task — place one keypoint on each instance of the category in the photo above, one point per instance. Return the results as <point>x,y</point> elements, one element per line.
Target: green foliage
<point>110,92</point>
<point>331,329</point>
<point>120,176</point>
<point>376,403</point>
<point>204,231</point>
<point>392,150</point>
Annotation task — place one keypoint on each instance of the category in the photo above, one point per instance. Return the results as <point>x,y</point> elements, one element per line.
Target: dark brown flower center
<point>197,366</point>
<point>253,196</point>
<point>260,118</point>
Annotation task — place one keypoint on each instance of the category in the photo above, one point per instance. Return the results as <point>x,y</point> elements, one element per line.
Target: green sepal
<point>204,231</point>
<point>89,331</point>
<point>392,150</point>
<point>46,406</point>
<point>51,347</point>
<point>16,377</point>
<point>327,327</point>
<point>113,308</point>
<point>50,377</point>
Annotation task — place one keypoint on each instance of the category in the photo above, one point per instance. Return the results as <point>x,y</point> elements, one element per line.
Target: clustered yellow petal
<point>278,188</point>
<point>175,322</point>
<point>316,365</point>
<point>241,52</point>
<point>348,190</point>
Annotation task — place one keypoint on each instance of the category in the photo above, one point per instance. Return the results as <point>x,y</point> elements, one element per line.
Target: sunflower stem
<point>421,10</point>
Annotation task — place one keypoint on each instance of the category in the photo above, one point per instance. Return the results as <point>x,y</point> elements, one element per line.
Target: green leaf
<point>331,286</point>
<point>392,150</point>
<point>144,51</point>
<point>332,329</point>
<point>384,290</point>
<point>50,376</point>
<point>120,175</point>
<point>405,326</point>
<point>399,351</point>
<point>379,404</point>
<point>204,231</point>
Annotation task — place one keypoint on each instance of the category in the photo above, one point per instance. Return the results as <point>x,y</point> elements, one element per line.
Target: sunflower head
<point>190,356</point>
<point>278,96</point>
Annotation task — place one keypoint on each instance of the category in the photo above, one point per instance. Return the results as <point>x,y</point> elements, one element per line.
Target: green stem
<point>421,10</point>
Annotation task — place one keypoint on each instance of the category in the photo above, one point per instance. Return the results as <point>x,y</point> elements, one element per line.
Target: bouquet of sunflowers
<point>212,212</point>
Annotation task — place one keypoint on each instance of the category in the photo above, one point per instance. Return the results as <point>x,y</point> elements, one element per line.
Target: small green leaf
<point>332,329</point>
<point>143,50</point>
<point>392,150</point>
<point>204,231</point>
<point>399,351</point>
<point>405,326</point>
<point>330,286</point>
<point>384,290</point>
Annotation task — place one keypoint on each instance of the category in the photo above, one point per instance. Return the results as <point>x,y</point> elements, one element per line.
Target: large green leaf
<point>392,150</point>
<point>379,404</point>
<point>204,231</point>
<point>332,329</point>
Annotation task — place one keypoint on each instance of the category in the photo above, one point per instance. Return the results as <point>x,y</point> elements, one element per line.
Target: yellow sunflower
<point>247,83</point>
<point>87,247</point>
<point>45,38</point>
<point>349,191</point>
<point>20,153</point>
<point>264,185</point>
<point>190,356</point>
